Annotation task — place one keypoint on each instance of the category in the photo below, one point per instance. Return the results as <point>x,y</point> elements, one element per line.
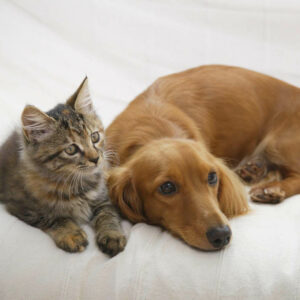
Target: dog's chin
<point>202,247</point>
<point>209,250</point>
<point>192,242</point>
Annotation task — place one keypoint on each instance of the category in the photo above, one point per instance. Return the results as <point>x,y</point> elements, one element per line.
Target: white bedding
<point>46,48</point>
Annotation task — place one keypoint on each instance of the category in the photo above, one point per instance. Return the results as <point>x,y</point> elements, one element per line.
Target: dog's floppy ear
<point>231,194</point>
<point>124,195</point>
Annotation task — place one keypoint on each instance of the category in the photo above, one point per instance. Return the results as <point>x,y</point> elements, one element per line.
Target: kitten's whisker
<point>59,179</point>
<point>111,155</point>
<point>72,186</point>
<point>81,184</point>
<point>67,179</point>
<point>78,182</point>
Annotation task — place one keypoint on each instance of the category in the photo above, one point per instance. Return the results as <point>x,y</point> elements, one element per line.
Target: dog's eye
<point>212,178</point>
<point>167,188</point>
<point>72,149</point>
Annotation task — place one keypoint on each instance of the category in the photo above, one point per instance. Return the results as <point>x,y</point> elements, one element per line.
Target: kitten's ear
<point>81,100</point>
<point>36,124</point>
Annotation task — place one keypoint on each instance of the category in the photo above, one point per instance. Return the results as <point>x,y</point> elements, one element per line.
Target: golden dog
<point>170,141</point>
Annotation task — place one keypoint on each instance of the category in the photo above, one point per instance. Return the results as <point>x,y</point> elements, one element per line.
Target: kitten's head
<point>68,138</point>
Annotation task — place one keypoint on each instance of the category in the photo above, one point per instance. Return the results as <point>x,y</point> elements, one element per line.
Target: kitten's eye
<point>168,188</point>
<point>95,137</point>
<point>212,178</point>
<point>72,149</point>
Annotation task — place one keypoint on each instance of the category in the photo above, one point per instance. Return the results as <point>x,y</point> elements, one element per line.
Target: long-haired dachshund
<point>170,141</point>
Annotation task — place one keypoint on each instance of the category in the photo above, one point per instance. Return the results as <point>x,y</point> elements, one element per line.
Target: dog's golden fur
<point>179,128</point>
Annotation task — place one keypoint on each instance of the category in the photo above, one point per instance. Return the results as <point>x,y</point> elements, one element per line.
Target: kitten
<point>52,175</point>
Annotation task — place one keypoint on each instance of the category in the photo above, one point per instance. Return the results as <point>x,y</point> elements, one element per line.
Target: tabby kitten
<point>52,175</point>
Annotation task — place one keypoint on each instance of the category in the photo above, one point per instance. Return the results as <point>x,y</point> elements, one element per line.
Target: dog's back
<point>232,108</point>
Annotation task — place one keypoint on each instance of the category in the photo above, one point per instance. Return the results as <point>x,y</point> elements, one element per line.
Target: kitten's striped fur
<point>45,184</point>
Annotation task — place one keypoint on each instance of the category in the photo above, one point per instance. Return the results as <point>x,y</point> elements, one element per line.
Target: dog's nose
<point>219,236</point>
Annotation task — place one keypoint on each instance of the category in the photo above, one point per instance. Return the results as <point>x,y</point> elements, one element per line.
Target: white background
<point>46,49</point>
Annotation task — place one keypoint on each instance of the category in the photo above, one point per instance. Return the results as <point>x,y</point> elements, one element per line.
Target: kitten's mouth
<point>89,169</point>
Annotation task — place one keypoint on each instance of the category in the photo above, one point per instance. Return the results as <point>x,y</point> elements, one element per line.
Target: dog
<point>181,145</point>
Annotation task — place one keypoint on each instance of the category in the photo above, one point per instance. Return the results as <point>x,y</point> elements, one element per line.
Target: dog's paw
<point>267,195</point>
<point>75,241</point>
<point>111,242</point>
<point>253,171</point>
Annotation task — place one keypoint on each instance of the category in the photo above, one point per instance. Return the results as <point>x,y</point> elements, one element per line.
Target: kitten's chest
<point>80,207</point>
<point>61,200</point>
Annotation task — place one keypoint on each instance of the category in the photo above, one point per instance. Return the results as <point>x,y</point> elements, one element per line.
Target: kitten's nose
<point>94,160</point>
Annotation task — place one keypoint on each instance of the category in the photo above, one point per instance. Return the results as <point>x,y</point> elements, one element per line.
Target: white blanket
<point>46,48</point>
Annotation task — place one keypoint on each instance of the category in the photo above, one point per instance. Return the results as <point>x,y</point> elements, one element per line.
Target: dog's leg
<point>281,149</point>
<point>253,169</point>
<point>277,191</point>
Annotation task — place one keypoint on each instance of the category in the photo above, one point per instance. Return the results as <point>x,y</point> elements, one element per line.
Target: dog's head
<point>179,185</point>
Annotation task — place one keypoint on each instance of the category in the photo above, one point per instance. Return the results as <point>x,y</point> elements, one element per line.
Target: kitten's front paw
<point>75,241</point>
<point>111,242</point>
